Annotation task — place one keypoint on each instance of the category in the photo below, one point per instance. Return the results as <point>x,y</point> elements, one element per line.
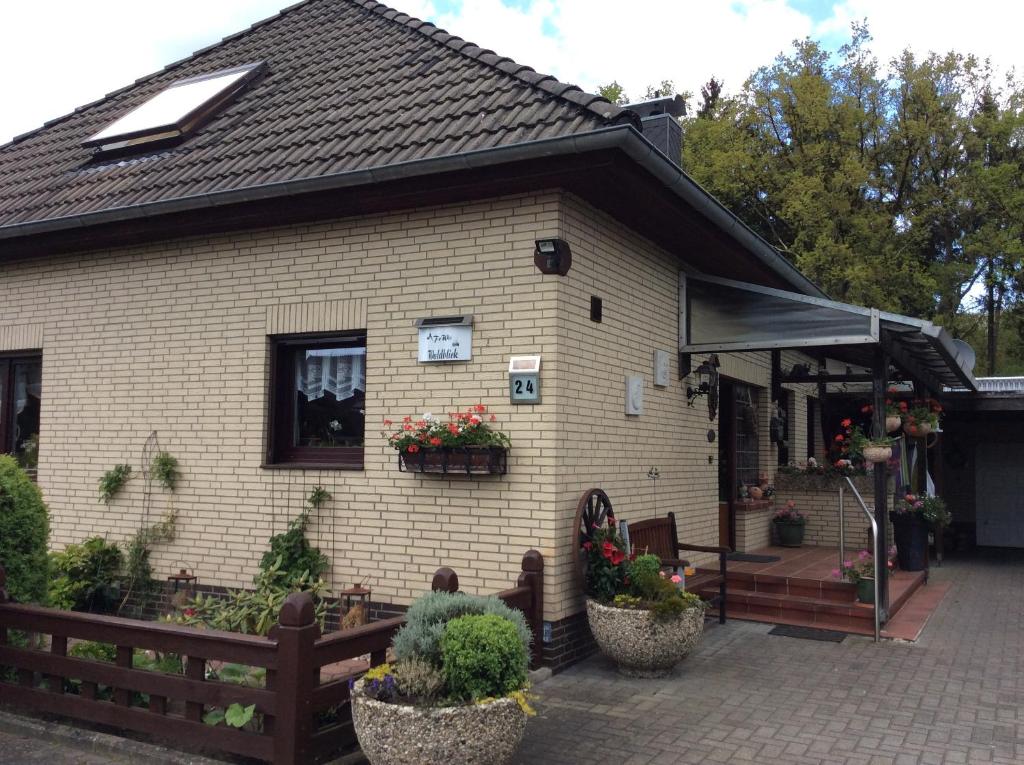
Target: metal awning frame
<point>922,350</point>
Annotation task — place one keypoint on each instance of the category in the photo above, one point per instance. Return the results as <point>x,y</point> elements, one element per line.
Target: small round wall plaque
<point>711,436</point>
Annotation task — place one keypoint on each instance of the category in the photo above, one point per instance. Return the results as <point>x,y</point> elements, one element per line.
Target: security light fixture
<point>552,256</point>
<point>707,384</point>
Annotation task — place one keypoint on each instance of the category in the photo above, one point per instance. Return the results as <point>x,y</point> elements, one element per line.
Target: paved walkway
<point>955,696</point>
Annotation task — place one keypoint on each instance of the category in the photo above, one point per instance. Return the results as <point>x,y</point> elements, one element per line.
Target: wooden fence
<point>303,719</point>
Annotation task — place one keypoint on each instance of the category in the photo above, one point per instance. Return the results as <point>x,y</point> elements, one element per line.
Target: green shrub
<point>82,575</point>
<point>292,553</point>
<point>427,616</point>
<point>419,680</point>
<point>644,567</point>
<point>253,612</point>
<point>483,657</point>
<point>112,481</point>
<point>24,533</point>
<point>89,649</point>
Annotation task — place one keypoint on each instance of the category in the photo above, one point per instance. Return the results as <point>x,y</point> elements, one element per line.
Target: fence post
<point>296,632</point>
<point>533,577</point>
<point>445,580</point>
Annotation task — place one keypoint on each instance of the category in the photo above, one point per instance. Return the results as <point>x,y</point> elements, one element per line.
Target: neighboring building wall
<point>172,337</point>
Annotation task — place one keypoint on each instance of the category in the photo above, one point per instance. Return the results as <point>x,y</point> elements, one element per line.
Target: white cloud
<point>56,55</point>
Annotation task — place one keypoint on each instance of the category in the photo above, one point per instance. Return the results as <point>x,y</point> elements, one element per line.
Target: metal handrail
<point>874,546</point>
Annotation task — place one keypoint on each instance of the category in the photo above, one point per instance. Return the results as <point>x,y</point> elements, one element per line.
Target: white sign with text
<point>451,343</point>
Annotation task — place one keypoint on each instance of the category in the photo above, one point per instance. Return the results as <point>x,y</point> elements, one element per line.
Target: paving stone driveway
<point>955,696</point>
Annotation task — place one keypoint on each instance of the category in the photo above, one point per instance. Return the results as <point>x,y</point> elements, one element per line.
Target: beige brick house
<point>362,170</point>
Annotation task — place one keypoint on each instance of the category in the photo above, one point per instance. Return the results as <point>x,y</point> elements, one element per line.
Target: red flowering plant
<point>849,444</point>
<point>633,582</point>
<point>932,510</point>
<point>606,558</point>
<point>922,412</point>
<point>473,427</point>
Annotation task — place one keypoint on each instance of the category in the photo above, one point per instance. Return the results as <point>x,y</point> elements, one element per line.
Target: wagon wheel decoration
<point>593,510</point>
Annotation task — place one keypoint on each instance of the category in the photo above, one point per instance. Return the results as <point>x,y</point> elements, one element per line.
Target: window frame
<point>280,413</point>
<point>8,361</point>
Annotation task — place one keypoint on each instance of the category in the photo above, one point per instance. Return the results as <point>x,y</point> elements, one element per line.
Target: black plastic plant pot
<point>789,534</point>
<point>910,533</point>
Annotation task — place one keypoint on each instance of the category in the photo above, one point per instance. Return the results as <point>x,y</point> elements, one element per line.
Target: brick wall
<point>817,498</point>
<point>172,337</point>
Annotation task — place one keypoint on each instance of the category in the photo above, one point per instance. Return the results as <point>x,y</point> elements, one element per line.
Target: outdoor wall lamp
<point>552,256</point>
<point>707,384</point>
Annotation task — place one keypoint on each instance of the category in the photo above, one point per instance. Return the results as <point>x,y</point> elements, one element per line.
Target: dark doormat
<point>739,557</point>
<point>808,633</point>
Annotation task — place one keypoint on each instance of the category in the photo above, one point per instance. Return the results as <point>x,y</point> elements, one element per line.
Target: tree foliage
<point>898,186</point>
<point>24,533</point>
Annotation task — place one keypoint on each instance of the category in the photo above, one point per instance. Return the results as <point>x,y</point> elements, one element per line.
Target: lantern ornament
<point>707,385</point>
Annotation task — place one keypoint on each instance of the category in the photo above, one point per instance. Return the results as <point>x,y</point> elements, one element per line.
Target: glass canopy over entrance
<point>721,315</point>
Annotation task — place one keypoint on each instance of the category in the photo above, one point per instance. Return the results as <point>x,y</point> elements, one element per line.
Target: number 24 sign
<point>524,389</point>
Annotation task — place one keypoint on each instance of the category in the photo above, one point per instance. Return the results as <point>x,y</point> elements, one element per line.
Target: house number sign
<point>524,380</point>
<point>445,339</point>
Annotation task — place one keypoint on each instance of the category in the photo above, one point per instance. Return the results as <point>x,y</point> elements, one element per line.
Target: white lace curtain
<point>340,371</point>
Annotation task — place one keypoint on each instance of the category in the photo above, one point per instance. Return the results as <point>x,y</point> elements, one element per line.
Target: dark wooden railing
<point>295,655</point>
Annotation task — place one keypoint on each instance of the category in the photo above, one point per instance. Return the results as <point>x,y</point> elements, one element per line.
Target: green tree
<point>898,188</point>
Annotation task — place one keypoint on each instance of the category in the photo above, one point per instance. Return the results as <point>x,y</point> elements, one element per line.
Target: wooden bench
<point>658,536</point>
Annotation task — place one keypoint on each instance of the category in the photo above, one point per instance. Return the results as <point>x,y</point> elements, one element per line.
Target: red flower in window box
<point>412,448</point>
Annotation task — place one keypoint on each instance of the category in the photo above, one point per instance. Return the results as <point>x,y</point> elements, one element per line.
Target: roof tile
<point>350,85</point>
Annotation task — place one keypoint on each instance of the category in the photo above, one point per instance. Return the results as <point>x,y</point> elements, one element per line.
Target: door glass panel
<point>27,395</point>
<point>747,457</point>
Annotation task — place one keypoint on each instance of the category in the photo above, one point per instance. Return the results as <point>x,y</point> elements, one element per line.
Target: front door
<point>738,453</point>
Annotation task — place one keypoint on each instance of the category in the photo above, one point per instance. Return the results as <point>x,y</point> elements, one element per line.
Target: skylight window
<point>174,112</point>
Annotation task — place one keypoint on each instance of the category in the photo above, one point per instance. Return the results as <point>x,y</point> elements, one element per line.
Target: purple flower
<point>847,564</point>
<point>836,573</point>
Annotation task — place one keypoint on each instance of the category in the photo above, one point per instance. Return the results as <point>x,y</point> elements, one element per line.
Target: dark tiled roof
<point>350,85</point>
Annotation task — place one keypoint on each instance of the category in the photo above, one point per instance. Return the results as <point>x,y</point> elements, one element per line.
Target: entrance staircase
<point>801,601</point>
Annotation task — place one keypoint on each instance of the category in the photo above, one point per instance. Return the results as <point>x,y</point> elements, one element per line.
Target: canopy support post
<point>880,375</point>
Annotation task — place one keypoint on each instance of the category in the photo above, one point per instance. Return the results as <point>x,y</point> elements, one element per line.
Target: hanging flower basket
<point>893,422</point>
<point>876,454</point>
<point>455,460</point>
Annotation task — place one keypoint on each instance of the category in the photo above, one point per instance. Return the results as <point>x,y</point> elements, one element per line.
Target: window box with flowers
<point>789,525</point>
<point>641,617</point>
<point>467,444</point>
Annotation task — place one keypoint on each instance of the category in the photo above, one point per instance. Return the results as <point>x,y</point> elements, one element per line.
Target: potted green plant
<point>921,418</point>
<point>861,572</point>
<point>873,450</point>
<point>789,525</point>
<point>641,617</point>
<point>466,443</point>
<point>912,518</point>
<point>457,691</point>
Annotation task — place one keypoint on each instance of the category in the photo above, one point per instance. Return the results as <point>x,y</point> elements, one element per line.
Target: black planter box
<point>456,460</point>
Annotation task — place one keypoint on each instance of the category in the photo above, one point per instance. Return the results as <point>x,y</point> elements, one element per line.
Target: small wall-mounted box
<point>524,380</point>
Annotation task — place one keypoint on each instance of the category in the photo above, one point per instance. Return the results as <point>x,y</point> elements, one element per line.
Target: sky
<point>56,55</point>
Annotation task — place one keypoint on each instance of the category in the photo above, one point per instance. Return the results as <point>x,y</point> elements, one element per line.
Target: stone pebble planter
<point>893,423</point>
<point>877,454</point>
<point>639,644</point>
<point>470,734</point>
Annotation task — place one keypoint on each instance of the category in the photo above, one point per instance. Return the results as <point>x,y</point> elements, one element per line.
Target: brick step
<point>772,584</point>
<point>852,617</point>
